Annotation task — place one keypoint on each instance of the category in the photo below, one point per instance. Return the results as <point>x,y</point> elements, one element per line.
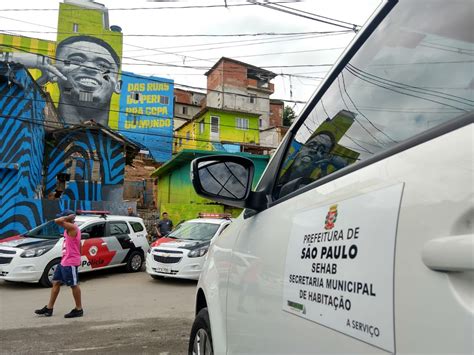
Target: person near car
<point>66,271</point>
<point>164,226</point>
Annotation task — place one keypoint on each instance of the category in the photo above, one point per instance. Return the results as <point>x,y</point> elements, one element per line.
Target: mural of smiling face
<point>90,66</point>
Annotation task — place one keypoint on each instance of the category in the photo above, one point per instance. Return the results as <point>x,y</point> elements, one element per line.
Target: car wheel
<point>200,341</point>
<point>135,262</point>
<point>46,279</point>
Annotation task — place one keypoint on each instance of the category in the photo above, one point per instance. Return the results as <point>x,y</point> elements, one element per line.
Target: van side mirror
<point>226,179</point>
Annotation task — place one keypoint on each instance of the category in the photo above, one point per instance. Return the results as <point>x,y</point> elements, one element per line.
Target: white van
<point>359,236</point>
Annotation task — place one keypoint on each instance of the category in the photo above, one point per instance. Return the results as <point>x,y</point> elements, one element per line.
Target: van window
<point>409,76</point>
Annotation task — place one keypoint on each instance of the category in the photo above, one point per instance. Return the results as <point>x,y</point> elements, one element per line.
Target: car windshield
<point>48,230</point>
<point>195,231</point>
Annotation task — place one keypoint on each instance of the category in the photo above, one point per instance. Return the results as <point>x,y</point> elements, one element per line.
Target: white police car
<point>182,252</point>
<point>107,241</point>
<point>358,239</point>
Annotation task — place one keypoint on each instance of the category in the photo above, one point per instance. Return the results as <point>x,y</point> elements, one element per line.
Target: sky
<point>292,83</point>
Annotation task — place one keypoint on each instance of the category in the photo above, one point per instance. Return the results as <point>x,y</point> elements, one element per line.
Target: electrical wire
<point>170,137</point>
<point>154,79</point>
<point>412,88</point>
<point>313,17</point>
<point>56,103</point>
<point>363,115</point>
<point>316,15</point>
<point>256,34</point>
<point>398,91</point>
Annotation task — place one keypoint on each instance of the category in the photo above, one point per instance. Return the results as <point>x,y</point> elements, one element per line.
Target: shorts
<point>66,275</point>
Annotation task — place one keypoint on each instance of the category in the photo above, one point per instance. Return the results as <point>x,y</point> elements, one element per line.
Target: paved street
<point>124,313</point>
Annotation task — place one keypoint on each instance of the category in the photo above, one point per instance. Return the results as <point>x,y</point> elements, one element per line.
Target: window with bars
<point>214,124</point>
<point>242,123</point>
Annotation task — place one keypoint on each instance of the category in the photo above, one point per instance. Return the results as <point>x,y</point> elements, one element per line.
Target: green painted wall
<point>228,131</point>
<point>90,23</point>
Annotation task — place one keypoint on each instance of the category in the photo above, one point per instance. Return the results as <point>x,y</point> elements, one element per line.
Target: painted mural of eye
<point>103,65</point>
<point>76,59</point>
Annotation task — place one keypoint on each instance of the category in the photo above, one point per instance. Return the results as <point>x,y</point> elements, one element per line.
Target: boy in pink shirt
<point>66,271</point>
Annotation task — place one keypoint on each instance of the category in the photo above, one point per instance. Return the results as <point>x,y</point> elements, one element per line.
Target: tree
<point>288,116</point>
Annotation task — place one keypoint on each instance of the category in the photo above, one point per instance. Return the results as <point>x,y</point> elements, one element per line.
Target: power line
<point>408,87</point>
<point>171,137</point>
<point>140,8</point>
<point>155,63</point>
<point>231,45</point>
<point>154,79</point>
<point>370,81</point>
<point>257,34</point>
<point>363,115</point>
<point>313,17</point>
<point>320,16</point>
<point>267,54</point>
<point>117,111</point>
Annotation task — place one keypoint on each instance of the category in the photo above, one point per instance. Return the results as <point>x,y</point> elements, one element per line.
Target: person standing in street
<point>131,213</point>
<point>66,271</point>
<point>164,226</point>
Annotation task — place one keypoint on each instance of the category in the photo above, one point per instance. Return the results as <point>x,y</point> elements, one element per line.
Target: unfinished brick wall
<point>276,114</point>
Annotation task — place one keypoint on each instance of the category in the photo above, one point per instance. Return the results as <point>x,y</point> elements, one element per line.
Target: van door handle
<point>450,253</point>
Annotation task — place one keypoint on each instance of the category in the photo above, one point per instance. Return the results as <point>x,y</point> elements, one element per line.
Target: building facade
<point>218,130</point>
<point>238,86</point>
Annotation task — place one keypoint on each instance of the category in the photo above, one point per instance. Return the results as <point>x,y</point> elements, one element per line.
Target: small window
<point>260,122</point>
<point>164,100</point>
<point>95,230</point>
<point>180,141</point>
<point>136,226</point>
<point>214,124</point>
<point>188,136</point>
<point>135,96</point>
<point>118,228</point>
<point>242,123</point>
<point>75,27</point>
<point>201,127</point>
<point>85,96</point>
<point>184,110</point>
<point>252,98</point>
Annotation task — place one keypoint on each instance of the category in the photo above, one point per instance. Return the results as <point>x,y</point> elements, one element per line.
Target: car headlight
<point>34,252</point>
<point>198,252</point>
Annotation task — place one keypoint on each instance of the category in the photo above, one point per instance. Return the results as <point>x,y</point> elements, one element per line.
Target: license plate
<point>163,270</point>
